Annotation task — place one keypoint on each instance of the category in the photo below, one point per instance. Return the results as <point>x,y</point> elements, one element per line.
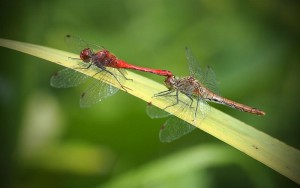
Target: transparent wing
<point>183,105</point>
<point>155,112</point>
<point>67,78</point>
<point>210,80</point>
<point>77,44</point>
<point>174,128</point>
<point>169,97</point>
<point>194,67</point>
<point>193,110</point>
<point>96,92</point>
<point>99,90</point>
<point>202,110</point>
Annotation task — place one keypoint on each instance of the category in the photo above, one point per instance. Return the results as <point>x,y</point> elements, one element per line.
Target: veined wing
<point>210,80</point>
<point>207,78</point>
<point>194,67</point>
<point>77,44</point>
<point>101,88</point>
<point>201,110</point>
<point>154,112</point>
<point>67,78</point>
<point>174,128</point>
<point>96,92</point>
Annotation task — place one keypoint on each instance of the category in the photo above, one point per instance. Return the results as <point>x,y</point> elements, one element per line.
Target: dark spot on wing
<point>163,127</point>
<point>82,95</point>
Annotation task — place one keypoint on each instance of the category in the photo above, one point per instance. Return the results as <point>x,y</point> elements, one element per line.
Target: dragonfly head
<point>170,82</point>
<point>86,54</point>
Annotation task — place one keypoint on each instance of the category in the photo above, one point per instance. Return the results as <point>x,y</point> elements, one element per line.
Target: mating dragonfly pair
<point>198,88</point>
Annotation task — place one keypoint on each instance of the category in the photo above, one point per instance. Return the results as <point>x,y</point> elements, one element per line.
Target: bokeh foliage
<point>253,47</point>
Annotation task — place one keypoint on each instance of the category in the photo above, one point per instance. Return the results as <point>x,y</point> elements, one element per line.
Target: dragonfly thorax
<point>189,85</point>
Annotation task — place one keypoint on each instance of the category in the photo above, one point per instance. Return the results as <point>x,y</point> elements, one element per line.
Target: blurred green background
<point>47,140</point>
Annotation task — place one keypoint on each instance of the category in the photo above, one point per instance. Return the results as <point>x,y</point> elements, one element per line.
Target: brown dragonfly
<point>198,88</point>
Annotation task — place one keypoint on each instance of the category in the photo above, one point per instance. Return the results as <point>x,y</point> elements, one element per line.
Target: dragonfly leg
<point>90,64</point>
<point>104,69</point>
<point>124,75</point>
<point>163,93</point>
<point>197,104</point>
<point>74,58</point>
<point>192,100</point>
<point>177,100</point>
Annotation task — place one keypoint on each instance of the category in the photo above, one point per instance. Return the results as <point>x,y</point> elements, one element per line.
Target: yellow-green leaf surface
<point>260,146</point>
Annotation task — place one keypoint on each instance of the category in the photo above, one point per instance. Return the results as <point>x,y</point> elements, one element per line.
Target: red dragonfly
<point>107,66</point>
<point>199,87</point>
<point>103,58</point>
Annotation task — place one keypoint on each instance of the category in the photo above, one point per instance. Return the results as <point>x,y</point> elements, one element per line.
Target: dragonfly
<point>101,57</point>
<point>109,69</point>
<point>197,89</point>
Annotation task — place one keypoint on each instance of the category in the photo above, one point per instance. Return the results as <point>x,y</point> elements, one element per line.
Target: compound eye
<point>85,55</point>
<point>170,82</point>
